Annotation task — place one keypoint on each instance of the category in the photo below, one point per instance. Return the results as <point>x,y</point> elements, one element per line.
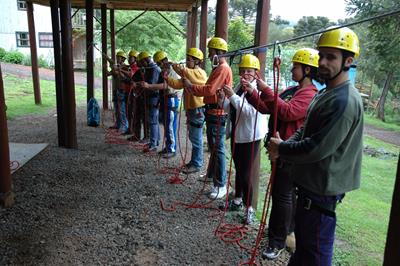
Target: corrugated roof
<point>168,5</point>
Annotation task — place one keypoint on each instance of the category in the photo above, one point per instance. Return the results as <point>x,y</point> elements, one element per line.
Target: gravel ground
<point>100,205</point>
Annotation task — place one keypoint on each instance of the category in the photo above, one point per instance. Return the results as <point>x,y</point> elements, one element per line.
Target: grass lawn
<point>364,214</point>
<point>20,98</point>
<point>391,125</point>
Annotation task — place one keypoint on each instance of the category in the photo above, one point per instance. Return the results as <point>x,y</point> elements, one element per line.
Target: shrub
<point>14,57</point>
<point>2,53</point>
<point>27,60</point>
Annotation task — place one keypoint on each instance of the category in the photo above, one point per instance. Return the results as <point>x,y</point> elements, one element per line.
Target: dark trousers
<point>314,230</point>
<point>247,167</point>
<point>139,117</point>
<point>281,221</point>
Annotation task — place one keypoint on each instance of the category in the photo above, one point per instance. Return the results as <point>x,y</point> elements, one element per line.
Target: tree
<point>383,43</point>
<point>150,33</point>
<point>243,8</point>
<point>311,24</point>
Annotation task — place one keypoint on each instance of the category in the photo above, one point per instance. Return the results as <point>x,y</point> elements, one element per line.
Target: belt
<point>172,95</point>
<point>195,125</point>
<point>322,207</point>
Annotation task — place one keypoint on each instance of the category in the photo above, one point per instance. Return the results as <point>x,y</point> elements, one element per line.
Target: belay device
<point>93,113</point>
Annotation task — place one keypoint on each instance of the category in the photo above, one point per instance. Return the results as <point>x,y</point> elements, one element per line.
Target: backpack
<point>93,113</point>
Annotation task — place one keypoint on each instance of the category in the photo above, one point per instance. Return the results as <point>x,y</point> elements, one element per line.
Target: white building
<point>14,33</point>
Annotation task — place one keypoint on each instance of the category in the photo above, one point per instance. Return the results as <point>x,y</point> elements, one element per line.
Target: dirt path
<point>388,136</point>
<point>46,74</point>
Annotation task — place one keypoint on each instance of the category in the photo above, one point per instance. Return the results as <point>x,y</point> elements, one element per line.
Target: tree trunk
<point>382,99</point>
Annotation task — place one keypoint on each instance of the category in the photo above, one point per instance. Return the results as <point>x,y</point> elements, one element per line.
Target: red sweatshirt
<point>291,110</point>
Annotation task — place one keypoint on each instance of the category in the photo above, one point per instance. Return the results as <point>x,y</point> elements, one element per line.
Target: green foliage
<point>311,24</point>
<point>2,53</point>
<point>14,57</point>
<point>243,8</point>
<point>150,33</point>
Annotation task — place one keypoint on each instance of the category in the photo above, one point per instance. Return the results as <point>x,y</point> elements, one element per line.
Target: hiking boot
<point>271,253</point>
<point>217,192</point>
<point>190,169</point>
<point>250,217</point>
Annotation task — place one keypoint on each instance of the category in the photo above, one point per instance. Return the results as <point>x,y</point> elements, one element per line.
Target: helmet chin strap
<point>343,67</point>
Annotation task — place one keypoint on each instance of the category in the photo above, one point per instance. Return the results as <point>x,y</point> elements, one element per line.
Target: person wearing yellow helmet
<point>215,115</point>
<point>132,56</point>
<point>292,108</point>
<point>122,79</point>
<point>194,105</point>
<point>169,103</point>
<point>326,152</point>
<point>151,73</point>
<point>247,130</point>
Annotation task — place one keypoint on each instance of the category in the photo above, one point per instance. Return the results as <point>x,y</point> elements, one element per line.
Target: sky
<point>293,10</point>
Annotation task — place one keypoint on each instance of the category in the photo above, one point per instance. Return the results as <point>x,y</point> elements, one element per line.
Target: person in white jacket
<point>248,128</point>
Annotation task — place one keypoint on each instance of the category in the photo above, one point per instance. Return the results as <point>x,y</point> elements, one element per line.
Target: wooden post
<point>188,30</point>
<point>89,49</point>
<point>221,19</point>
<point>261,32</point>
<point>392,254</point>
<point>34,61</point>
<point>193,25</point>
<point>203,29</point>
<point>104,49</point>
<point>55,21</point>
<point>6,195</point>
<point>112,31</point>
<point>68,75</point>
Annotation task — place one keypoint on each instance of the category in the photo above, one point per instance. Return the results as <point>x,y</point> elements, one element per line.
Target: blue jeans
<point>195,124</point>
<point>153,121</point>
<point>216,144</point>
<point>171,124</point>
<point>314,231</point>
<point>122,120</point>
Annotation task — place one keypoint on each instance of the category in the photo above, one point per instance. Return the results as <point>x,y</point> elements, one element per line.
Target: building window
<point>45,39</point>
<point>21,4</point>
<point>22,39</point>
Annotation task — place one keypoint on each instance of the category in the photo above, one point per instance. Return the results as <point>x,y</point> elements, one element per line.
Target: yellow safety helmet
<point>249,61</point>
<point>133,53</point>
<point>159,56</point>
<point>306,56</point>
<point>143,55</point>
<point>121,54</point>
<point>218,43</point>
<point>196,53</point>
<point>343,38</point>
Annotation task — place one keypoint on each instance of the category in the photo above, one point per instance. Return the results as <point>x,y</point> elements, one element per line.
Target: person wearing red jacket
<point>292,108</point>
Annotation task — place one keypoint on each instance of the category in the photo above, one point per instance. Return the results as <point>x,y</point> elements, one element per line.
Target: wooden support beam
<point>34,61</point>
<point>6,195</point>
<point>261,32</point>
<point>193,25</point>
<point>55,22</point>
<point>392,254</point>
<point>68,98</point>
<point>221,19</point>
<point>89,50</point>
<point>188,29</point>
<point>203,29</point>
<point>104,49</point>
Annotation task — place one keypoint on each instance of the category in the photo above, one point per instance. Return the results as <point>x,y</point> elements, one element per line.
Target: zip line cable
<point>263,47</point>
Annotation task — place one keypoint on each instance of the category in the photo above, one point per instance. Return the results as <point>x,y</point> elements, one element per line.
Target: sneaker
<point>190,169</point>
<point>250,217</point>
<point>232,206</point>
<point>217,192</point>
<point>147,148</point>
<point>168,155</point>
<point>271,253</point>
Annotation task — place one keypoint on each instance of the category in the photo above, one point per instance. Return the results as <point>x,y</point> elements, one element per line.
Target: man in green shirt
<point>326,151</point>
